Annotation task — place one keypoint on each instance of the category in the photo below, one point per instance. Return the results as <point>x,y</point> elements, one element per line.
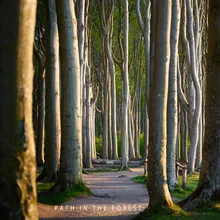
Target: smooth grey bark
<point>157,183</point>
<point>81,44</point>
<point>194,134</point>
<point>113,96</point>
<point>209,182</point>
<point>52,97</point>
<point>199,147</point>
<point>88,91</point>
<point>70,172</point>
<point>145,28</point>
<point>172,111</point>
<point>107,29</point>
<point>88,161</point>
<point>153,22</point>
<point>184,135</point>
<point>109,121</point>
<point>131,149</point>
<point>18,163</point>
<point>105,120</point>
<point>124,133</point>
<point>93,126</point>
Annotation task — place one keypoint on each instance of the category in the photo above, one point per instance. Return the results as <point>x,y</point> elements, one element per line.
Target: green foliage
<point>179,193</point>
<point>99,140</point>
<point>176,213</point>
<point>98,143</point>
<point>142,144</point>
<point>172,212</point>
<point>140,179</point>
<point>119,143</point>
<point>191,184</point>
<point>49,198</point>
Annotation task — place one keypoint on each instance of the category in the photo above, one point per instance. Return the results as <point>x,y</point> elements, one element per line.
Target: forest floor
<point>114,196</point>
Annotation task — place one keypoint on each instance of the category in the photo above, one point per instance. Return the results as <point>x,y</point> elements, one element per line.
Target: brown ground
<point>115,197</point>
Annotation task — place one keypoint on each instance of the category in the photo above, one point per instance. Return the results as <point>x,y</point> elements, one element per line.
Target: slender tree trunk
<point>52,117</point>
<point>70,172</point>
<point>109,121</point>
<point>40,108</point>
<point>88,161</point>
<point>194,72</point>
<point>148,50</point>
<point>17,149</point>
<point>209,182</point>
<point>156,184</point>
<point>105,123</point>
<point>172,120</point>
<point>81,44</point>
<point>131,149</point>
<point>124,134</point>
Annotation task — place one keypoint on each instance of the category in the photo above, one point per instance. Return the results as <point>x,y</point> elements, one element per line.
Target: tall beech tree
<point>194,133</point>
<point>209,182</point>
<point>145,29</point>
<point>157,183</point>
<point>70,172</point>
<point>17,149</point>
<point>52,116</point>
<point>172,111</point>
<point>124,133</point>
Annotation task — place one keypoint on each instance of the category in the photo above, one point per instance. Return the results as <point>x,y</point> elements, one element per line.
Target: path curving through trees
<point>115,196</point>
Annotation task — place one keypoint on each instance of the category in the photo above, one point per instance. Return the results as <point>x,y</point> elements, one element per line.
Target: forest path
<point>115,197</point>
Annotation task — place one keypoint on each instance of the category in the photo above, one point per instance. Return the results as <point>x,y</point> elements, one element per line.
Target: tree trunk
<point>172,121</point>
<point>70,172</point>
<point>40,108</point>
<point>145,28</point>
<point>194,134</point>
<point>88,161</point>
<point>52,102</point>
<point>124,133</point>
<point>17,149</point>
<point>209,182</point>
<point>157,184</point>
<point>109,121</point>
<point>105,123</point>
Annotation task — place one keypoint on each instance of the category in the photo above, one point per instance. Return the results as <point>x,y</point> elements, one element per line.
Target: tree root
<point>43,178</point>
<point>202,197</point>
<point>123,168</point>
<point>85,172</point>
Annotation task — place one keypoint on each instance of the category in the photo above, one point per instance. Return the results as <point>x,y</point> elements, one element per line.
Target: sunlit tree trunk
<point>70,172</point>
<point>52,103</point>
<point>172,121</point>
<point>157,183</point>
<point>17,149</point>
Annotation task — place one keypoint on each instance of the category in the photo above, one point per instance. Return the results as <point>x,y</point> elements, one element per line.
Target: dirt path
<point>115,197</point>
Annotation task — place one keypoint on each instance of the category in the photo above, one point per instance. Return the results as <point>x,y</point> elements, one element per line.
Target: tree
<point>17,163</point>
<point>172,120</point>
<point>52,116</point>
<point>70,172</point>
<point>194,133</point>
<point>124,133</point>
<point>156,184</point>
<point>145,29</point>
<point>209,182</point>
